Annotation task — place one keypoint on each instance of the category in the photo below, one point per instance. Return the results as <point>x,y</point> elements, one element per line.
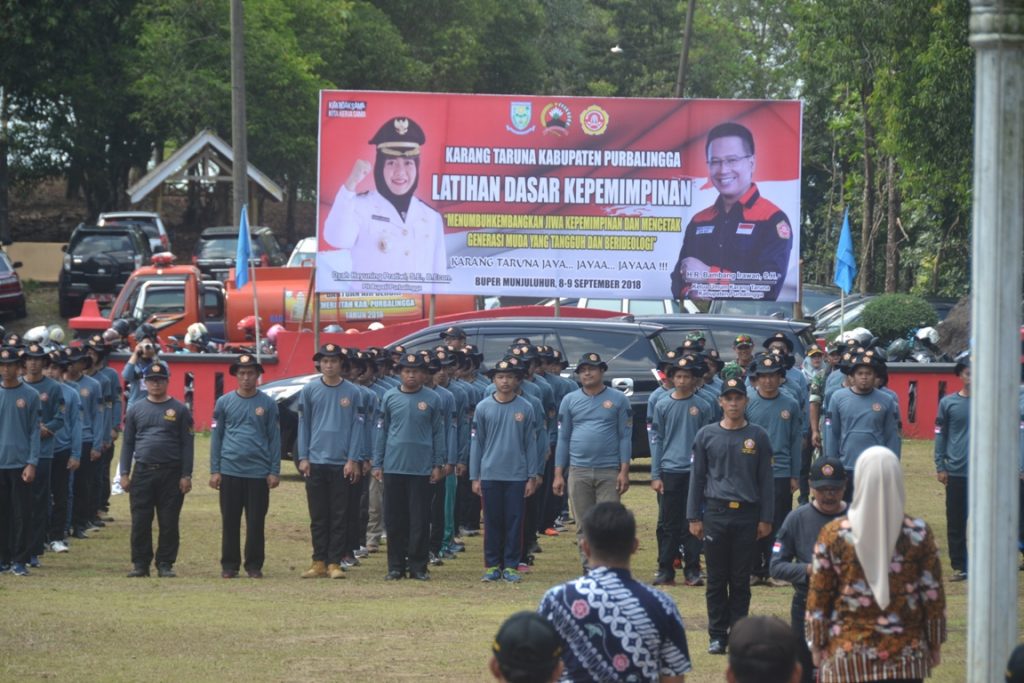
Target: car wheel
<point>69,307</point>
<point>21,312</point>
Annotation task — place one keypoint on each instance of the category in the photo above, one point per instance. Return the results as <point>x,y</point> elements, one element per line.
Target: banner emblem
<point>520,114</point>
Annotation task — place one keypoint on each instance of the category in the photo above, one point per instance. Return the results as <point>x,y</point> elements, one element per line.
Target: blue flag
<point>846,264</point>
<point>243,252</point>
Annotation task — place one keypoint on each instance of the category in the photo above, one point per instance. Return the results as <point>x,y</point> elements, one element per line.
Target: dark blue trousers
<point>504,510</point>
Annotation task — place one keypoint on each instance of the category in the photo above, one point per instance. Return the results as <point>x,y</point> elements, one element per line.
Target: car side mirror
<point>17,264</point>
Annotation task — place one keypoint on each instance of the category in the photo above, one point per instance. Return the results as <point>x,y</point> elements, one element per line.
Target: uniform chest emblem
<point>748,447</point>
<point>422,405</point>
<point>607,404</point>
<point>748,443</point>
<point>784,414</point>
<point>84,393</point>
<point>260,411</point>
<point>877,407</point>
<point>745,229</point>
<point>20,403</point>
<point>345,402</point>
<point>44,397</point>
<point>782,227</point>
<point>519,417</point>
<point>694,410</point>
<point>705,229</point>
<point>170,415</point>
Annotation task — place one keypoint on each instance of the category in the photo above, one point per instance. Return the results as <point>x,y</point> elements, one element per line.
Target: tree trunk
<point>289,220</point>
<point>5,225</point>
<point>891,243</point>
<point>868,208</point>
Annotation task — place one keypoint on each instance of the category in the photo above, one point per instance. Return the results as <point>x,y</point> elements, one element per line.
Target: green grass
<point>78,618</point>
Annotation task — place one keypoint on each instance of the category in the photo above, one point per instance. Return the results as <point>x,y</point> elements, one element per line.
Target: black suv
<point>215,251</point>
<point>98,261</point>
<point>631,350</point>
<point>721,330</point>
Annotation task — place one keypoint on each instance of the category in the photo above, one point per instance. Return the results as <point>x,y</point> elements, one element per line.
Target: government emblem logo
<point>748,443</point>
<point>828,470</point>
<point>520,114</point>
<point>556,119</point>
<point>260,411</point>
<point>877,407</point>
<point>20,403</point>
<point>422,405</point>
<point>345,402</point>
<point>607,404</point>
<point>784,414</point>
<point>594,120</point>
<point>694,410</point>
<point>519,417</point>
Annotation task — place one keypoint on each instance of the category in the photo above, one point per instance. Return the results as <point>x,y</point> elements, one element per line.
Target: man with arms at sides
<point>19,454</point>
<point>614,627</point>
<point>245,463</point>
<point>952,435</point>
<point>793,552</point>
<point>742,232</point>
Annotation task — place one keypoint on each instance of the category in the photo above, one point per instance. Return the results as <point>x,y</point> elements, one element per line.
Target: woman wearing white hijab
<point>876,610</point>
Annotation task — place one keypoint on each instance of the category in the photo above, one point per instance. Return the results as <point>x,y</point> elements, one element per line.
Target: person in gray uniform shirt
<point>730,506</point>
<point>245,464</point>
<point>779,414</point>
<point>158,438</point>
<point>952,439</point>
<point>595,427</point>
<point>329,449</point>
<point>19,455</point>
<point>793,551</point>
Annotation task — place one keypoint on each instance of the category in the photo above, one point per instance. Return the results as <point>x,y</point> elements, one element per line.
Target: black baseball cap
<point>767,364</point>
<point>527,642</point>
<point>762,649</point>
<point>826,472</point>
<point>779,337</point>
<point>453,332</point>
<point>591,359</point>
<point>733,385</point>
<point>156,371</point>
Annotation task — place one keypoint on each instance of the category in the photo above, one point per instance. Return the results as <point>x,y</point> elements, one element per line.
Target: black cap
<point>767,364</point>
<point>779,337</point>
<point>687,363</point>
<point>413,360</point>
<point>399,137</point>
<point>453,332</point>
<point>77,355</point>
<point>712,356</point>
<point>528,642</point>
<point>445,357</point>
<point>826,472</point>
<point>762,648</point>
<point>156,371</point>
<point>733,385</point>
<point>591,359</point>
<point>520,341</point>
<point>963,362</point>
<point>329,350</point>
<point>246,360</point>
<point>508,364</point>
<point>9,355</point>
<point>35,350</point>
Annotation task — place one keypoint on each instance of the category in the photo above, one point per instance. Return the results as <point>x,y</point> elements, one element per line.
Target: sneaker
<point>446,554</point>
<point>254,573</point>
<point>664,579</point>
<point>348,562</point>
<point>105,517</point>
<point>97,523</point>
<point>58,547</point>
<point>361,552</point>
<point>34,562</point>
<point>138,572</point>
<point>79,534</point>
<point>19,569</point>
<point>694,580</point>
<point>373,549</point>
<point>165,571</point>
<point>115,489</point>
<point>512,576</point>
<point>5,567</point>
<point>717,647</point>
<point>435,561</point>
<point>958,575</point>
<point>523,568</point>
<point>491,575</point>
<point>551,531</point>
<point>777,583</point>
<point>456,547</point>
<point>463,531</point>
<point>229,574</point>
<point>558,526</point>
<point>758,580</point>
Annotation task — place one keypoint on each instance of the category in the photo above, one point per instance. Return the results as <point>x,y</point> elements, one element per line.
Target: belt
<point>735,505</point>
<point>158,465</point>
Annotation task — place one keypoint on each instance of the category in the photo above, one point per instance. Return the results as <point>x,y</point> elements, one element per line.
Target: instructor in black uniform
<point>730,506</point>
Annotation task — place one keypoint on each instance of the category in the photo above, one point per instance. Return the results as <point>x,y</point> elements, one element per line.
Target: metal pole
<point>684,55</point>
<point>997,35</point>
<point>433,308</point>
<point>238,139</point>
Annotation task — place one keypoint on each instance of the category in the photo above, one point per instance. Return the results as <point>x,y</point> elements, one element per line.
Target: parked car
<point>848,316</point>
<point>812,297</point>
<point>634,306</point>
<point>97,262</point>
<point>156,231</point>
<point>631,349</point>
<point>304,253</point>
<point>215,251</point>
<point>721,330</point>
<point>12,298</point>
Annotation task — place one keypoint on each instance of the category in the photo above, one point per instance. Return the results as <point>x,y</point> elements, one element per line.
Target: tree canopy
<point>91,91</point>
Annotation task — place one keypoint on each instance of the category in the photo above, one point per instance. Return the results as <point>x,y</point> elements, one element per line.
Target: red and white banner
<point>558,196</point>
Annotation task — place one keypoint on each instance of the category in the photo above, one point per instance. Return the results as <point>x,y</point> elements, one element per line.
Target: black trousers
<point>155,489</point>
<point>467,503</point>
<point>407,521</point>
<point>40,507</point>
<point>848,493</point>
<point>674,529</point>
<point>437,493</point>
<point>327,493</point>
<point>364,511</point>
<point>796,616</point>
<point>730,551</point>
<point>15,516</point>
<point>551,504</point>
<point>243,495</point>
<point>806,456</point>
<point>103,493</point>
<point>60,477</point>
<point>956,522</point>
<point>353,513</point>
<point>783,506</point>
<point>531,513</point>
<point>85,502</point>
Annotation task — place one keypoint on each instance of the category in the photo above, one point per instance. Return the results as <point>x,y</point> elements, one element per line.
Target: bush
<point>893,316</point>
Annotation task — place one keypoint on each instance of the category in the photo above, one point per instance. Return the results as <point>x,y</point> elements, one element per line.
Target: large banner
<point>424,193</point>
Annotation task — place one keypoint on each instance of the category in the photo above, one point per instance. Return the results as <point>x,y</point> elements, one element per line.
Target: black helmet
<point>145,331</point>
<point>122,327</point>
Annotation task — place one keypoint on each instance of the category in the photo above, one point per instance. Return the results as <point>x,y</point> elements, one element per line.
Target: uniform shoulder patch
<point>783,229</point>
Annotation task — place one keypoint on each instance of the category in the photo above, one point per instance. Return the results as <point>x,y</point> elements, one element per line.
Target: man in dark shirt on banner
<point>741,233</point>
<point>158,438</point>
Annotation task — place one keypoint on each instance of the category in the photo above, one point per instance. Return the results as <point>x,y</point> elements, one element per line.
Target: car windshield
<point>91,245</point>
<point>225,247</point>
<point>148,226</point>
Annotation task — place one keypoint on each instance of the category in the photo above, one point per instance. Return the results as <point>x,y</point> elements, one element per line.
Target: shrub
<point>893,316</point>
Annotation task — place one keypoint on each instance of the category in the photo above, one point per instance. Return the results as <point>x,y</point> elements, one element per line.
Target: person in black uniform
<point>730,506</point>
<point>742,232</point>
<point>158,438</point>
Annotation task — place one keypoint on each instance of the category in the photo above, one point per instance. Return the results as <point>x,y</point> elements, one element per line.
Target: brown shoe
<point>317,570</point>
<point>334,571</point>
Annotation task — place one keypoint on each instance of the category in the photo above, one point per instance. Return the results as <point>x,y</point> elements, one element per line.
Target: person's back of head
<point>762,650</point>
<point>610,531</point>
<point>527,649</point>
<point>1015,666</point>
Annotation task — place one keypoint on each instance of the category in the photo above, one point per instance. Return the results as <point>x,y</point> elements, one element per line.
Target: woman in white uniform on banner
<point>391,235</point>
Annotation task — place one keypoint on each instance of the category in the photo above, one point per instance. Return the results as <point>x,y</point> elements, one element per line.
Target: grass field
<point>78,617</point>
